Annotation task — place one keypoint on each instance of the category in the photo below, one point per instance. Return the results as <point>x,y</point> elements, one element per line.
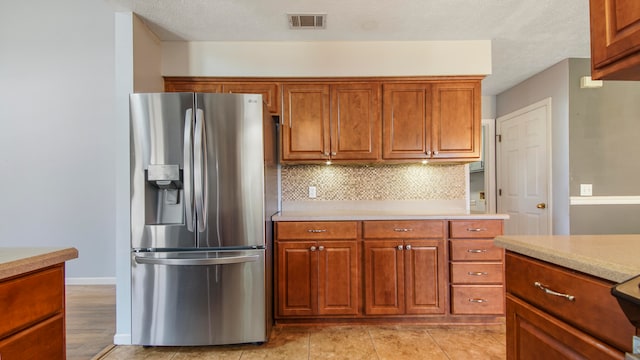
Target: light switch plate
<point>586,189</point>
<point>312,192</point>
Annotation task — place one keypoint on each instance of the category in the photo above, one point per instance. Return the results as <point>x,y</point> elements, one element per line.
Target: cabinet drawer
<point>316,230</point>
<point>477,299</point>
<point>44,340</point>
<point>403,229</point>
<point>31,298</point>
<point>475,229</point>
<point>594,310</point>
<point>534,334</point>
<point>475,250</point>
<point>476,273</point>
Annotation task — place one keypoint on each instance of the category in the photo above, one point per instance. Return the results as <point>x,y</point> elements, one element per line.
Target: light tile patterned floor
<point>345,342</point>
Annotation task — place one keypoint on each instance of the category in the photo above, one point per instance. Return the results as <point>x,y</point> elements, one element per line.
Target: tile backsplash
<point>375,182</point>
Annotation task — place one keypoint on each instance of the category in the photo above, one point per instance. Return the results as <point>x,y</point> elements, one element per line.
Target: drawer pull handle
<point>476,229</point>
<point>400,247</point>
<point>554,293</point>
<point>313,248</point>
<point>320,248</point>
<point>479,301</point>
<point>476,251</point>
<point>402,230</point>
<point>317,230</point>
<point>477,273</point>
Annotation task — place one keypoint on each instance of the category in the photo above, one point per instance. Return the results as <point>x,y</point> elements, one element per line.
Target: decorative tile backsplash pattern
<point>379,182</point>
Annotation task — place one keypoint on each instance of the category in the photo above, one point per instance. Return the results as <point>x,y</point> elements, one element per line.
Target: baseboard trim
<point>122,339</point>
<point>90,281</point>
<point>605,200</point>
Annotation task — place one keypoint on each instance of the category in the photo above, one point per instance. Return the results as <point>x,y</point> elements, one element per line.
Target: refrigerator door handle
<point>202,261</point>
<point>200,171</point>
<point>188,169</point>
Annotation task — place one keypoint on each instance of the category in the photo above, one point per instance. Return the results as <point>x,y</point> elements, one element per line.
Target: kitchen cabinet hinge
<point>499,138</point>
<point>499,192</point>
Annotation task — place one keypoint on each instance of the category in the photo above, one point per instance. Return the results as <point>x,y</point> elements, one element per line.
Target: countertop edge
<point>603,269</point>
<point>300,216</point>
<point>35,262</point>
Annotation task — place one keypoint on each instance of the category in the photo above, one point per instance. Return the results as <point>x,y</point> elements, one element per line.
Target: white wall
<point>57,130</point>
<point>326,58</point>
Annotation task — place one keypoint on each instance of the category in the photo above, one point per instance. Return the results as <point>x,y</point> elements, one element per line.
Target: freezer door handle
<point>200,261</point>
<point>188,169</point>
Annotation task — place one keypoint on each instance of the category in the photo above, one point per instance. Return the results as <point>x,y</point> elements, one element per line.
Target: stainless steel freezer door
<point>198,298</point>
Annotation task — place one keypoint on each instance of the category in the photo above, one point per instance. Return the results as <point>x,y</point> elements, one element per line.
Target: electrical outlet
<point>636,345</point>
<point>312,192</point>
<point>586,189</point>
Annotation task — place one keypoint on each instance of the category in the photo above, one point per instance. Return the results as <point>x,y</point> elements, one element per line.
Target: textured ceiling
<point>527,35</point>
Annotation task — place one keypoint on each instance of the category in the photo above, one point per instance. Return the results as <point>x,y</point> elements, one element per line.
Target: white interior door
<point>523,169</point>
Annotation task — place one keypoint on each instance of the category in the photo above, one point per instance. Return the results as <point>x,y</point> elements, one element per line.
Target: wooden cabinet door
<point>406,121</point>
<point>615,39</point>
<point>384,277</point>
<point>424,276</point>
<point>456,120</point>
<point>305,122</point>
<point>533,334</point>
<point>297,281</point>
<point>355,121</point>
<point>270,92</point>
<point>338,277</point>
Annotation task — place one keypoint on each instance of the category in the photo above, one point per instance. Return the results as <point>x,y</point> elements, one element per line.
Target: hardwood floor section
<point>91,320</point>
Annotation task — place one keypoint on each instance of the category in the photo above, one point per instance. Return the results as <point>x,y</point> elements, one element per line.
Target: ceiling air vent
<point>307,21</point>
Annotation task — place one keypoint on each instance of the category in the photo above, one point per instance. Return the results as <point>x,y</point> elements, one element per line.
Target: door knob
<point>541,206</point>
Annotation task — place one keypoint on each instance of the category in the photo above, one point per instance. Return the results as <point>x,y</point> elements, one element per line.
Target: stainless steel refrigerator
<point>203,190</point>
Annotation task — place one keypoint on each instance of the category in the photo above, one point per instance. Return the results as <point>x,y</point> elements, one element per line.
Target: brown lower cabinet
<point>382,270</point>
<point>33,315</point>
<point>404,277</point>
<point>577,318</point>
<point>317,277</point>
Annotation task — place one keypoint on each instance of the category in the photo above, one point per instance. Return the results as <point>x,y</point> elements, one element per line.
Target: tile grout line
<point>437,344</point>
<point>375,349</point>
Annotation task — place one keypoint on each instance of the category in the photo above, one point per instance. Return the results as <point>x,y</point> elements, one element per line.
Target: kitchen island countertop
<point>610,257</point>
<point>19,260</point>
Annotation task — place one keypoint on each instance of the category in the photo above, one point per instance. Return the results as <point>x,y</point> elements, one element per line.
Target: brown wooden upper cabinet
<point>615,39</point>
<point>338,121</point>
<point>270,91</point>
<point>439,120</point>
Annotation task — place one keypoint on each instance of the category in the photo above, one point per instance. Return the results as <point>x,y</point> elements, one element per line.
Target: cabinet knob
<point>408,247</point>
<point>326,153</point>
<point>428,152</point>
<point>333,153</point>
<point>313,248</point>
<point>399,247</point>
<point>435,153</point>
<point>320,248</point>
<point>541,206</point>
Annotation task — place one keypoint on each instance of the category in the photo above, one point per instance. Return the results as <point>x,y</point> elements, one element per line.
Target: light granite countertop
<point>379,210</point>
<point>18,260</point>
<point>611,257</point>
<point>376,214</point>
